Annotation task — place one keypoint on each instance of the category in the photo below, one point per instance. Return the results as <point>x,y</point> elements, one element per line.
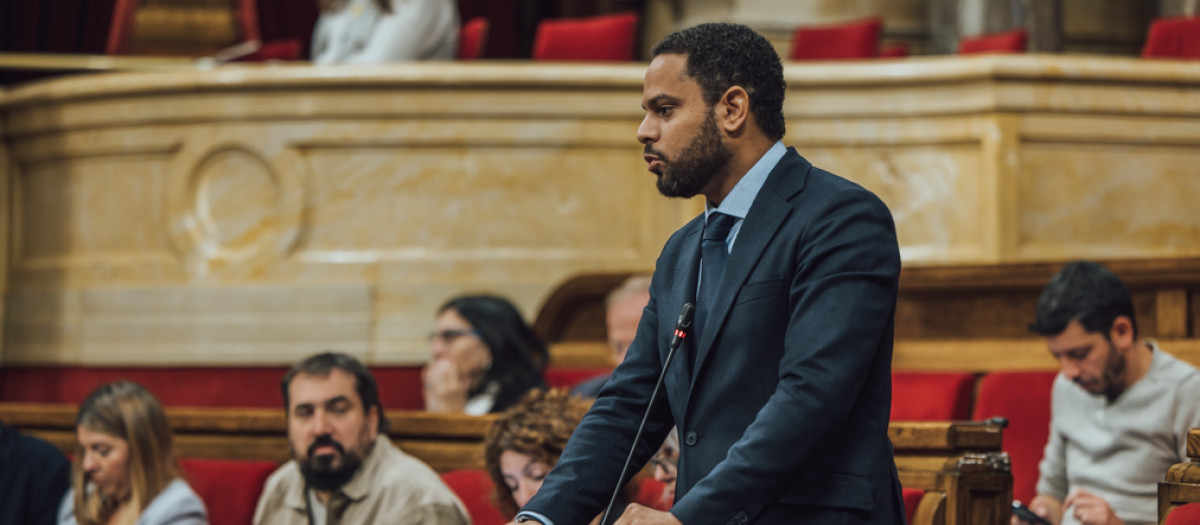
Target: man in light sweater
<point>1121,408</point>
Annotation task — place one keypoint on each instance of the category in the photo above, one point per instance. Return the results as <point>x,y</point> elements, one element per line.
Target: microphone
<point>683,328</point>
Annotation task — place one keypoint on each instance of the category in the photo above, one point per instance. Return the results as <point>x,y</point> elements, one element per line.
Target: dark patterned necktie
<point>713,256</point>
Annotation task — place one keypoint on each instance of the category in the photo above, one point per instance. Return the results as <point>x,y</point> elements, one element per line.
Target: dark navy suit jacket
<point>783,416</point>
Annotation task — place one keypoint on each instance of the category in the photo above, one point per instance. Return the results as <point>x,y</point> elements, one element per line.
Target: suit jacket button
<point>690,438</point>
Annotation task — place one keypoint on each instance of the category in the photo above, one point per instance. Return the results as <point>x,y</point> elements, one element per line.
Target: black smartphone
<point>1023,513</point>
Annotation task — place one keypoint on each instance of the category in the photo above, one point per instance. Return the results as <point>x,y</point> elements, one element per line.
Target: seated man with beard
<point>344,469</point>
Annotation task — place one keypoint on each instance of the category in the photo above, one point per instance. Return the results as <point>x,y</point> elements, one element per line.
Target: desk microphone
<point>683,328</point>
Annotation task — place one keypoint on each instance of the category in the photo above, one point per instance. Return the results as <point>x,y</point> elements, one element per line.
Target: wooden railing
<point>959,465</point>
<point>1182,482</point>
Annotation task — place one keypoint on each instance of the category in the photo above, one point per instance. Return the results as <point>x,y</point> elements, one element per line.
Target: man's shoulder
<point>400,472</point>
<point>284,478</point>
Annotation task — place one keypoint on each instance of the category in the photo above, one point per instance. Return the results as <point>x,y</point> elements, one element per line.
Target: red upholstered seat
<point>600,38</point>
<point>229,488</point>
<point>1006,42</point>
<point>1023,398</point>
<point>124,33</point>
<point>897,50</point>
<point>1188,514</point>
<point>472,38</point>
<point>850,41</point>
<point>474,488</point>
<point>1173,38</point>
<point>912,500</point>
<point>931,396</point>
<point>569,377</point>
<point>288,49</point>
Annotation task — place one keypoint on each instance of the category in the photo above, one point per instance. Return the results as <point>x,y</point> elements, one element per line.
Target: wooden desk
<point>1181,485</point>
<point>959,464</point>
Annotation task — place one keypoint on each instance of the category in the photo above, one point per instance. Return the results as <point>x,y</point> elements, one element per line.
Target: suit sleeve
<point>841,300</point>
<point>582,482</point>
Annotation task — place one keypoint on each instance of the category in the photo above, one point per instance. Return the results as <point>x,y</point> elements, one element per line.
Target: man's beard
<point>320,473</point>
<point>1114,373</point>
<point>696,166</point>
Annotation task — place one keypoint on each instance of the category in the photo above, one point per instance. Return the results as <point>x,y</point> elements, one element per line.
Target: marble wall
<point>252,215</point>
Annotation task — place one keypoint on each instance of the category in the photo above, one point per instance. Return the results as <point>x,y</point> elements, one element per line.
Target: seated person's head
<point>525,443</point>
<point>481,342</point>
<point>624,307</point>
<point>334,417</point>
<point>1086,314</point>
<point>666,463</point>
<point>124,453</point>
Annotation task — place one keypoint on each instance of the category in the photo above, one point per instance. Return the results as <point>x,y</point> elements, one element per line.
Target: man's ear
<point>1121,332</point>
<point>733,110</point>
<point>373,421</point>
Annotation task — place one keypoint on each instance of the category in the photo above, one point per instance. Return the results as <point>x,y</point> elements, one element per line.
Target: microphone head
<point>685,316</point>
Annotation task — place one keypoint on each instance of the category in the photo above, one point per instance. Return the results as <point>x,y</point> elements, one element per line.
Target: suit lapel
<point>687,268</point>
<point>768,212</point>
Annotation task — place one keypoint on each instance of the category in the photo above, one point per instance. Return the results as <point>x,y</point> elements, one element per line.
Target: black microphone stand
<point>682,327</point>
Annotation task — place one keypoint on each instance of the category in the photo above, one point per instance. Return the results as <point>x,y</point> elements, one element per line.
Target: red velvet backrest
<point>601,38</point>
<point>474,488</point>
<point>569,377</point>
<point>912,500</point>
<point>287,49</point>
<point>932,396</point>
<point>1173,38</point>
<point>229,488</point>
<point>1187,514</point>
<point>1007,42</point>
<point>472,38</point>
<point>1023,398</point>
<point>850,41</point>
<point>251,387</point>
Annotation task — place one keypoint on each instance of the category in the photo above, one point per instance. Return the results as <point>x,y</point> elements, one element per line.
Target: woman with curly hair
<point>525,443</point>
<point>125,470</point>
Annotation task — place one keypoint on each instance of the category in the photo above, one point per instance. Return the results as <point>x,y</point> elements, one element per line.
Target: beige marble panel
<point>1108,201</point>
<point>251,215</point>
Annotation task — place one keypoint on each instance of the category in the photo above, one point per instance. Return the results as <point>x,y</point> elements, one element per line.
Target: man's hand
<point>1090,509</point>
<point>641,515</point>
<point>1043,506</point>
<point>444,388</point>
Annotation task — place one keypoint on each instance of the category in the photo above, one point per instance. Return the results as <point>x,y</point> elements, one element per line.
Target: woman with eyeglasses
<point>526,442</point>
<point>484,357</point>
<point>125,470</point>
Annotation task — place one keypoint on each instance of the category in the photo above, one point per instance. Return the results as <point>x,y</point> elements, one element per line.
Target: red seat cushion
<point>1023,398</point>
<point>1173,38</point>
<point>474,488</point>
<point>229,488</point>
<point>600,38</point>
<point>931,396</point>
<point>1187,514</point>
<point>854,40</point>
<point>912,500</point>
<point>1007,42</point>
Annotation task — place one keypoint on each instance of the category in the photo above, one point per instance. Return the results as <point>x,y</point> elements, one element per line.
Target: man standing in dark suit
<point>782,392</point>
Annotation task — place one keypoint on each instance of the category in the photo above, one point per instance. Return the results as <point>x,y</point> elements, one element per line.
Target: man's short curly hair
<point>723,55</point>
<point>538,426</point>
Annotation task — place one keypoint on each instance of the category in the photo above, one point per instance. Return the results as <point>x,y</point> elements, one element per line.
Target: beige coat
<point>390,487</point>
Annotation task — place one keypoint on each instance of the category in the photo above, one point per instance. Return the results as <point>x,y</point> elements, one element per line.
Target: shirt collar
<point>738,202</point>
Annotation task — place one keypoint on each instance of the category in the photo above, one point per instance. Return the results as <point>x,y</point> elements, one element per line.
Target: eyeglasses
<point>448,336</point>
<point>668,465</point>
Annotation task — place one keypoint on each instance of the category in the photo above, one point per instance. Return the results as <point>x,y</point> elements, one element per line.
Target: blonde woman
<point>125,471</point>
